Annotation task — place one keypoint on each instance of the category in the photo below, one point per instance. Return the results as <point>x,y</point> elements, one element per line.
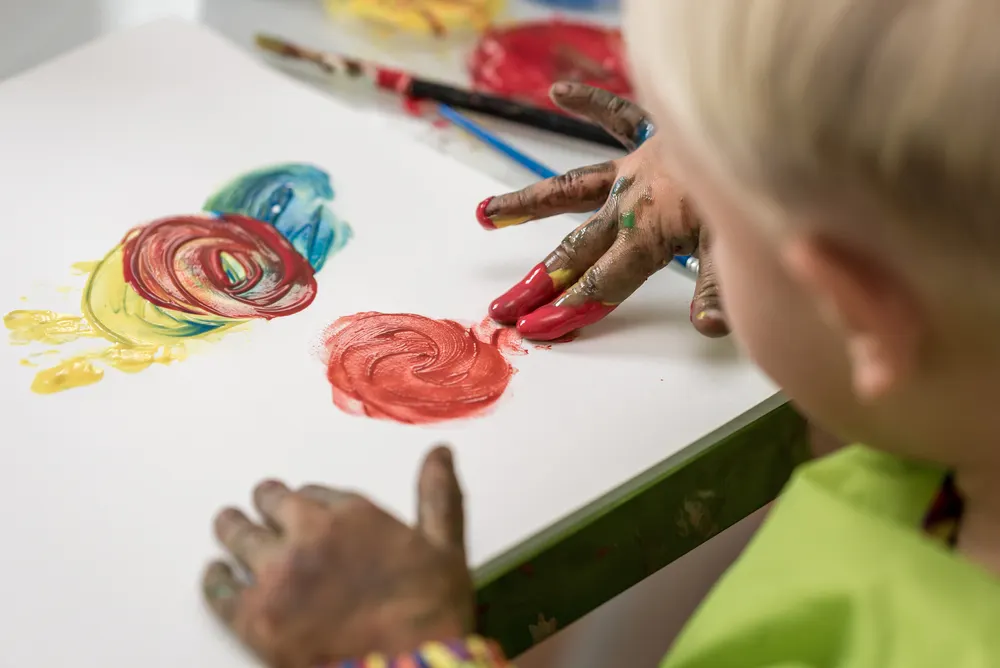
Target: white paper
<point>109,490</point>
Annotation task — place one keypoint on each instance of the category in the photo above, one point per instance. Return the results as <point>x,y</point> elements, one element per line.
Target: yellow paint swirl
<point>119,314</point>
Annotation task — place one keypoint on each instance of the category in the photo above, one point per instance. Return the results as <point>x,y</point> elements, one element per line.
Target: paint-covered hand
<point>334,577</point>
<point>643,220</point>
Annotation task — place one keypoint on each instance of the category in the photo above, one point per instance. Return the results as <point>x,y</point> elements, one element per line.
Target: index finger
<point>440,512</point>
<point>576,191</point>
<point>706,308</point>
<point>625,121</point>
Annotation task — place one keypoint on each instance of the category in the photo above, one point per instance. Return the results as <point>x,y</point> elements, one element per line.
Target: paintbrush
<point>387,78</point>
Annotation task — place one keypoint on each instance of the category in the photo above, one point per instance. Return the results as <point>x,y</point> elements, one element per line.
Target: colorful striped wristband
<point>472,652</point>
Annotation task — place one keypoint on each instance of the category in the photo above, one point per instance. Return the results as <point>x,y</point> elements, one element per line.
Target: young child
<point>845,157</point>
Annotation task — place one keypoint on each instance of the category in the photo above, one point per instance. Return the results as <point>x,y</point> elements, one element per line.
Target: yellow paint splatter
<point>133,360</point>
<point>30,359</point>
<point>142,334</point>
<point>81,268</point>
<point>46,327</point>
<point>81,370</point>
<point>74,372</point>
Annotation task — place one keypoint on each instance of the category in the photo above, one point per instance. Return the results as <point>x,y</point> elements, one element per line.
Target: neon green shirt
<point>841,575</point>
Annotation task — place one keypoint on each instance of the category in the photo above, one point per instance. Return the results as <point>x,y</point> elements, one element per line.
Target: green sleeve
<point>842,575</point>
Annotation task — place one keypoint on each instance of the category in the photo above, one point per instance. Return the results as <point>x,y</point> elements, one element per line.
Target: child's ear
<point>870,304</point>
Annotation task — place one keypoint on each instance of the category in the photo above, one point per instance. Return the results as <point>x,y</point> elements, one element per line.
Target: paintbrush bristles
<point>278,46</point>
<point>328,62</point>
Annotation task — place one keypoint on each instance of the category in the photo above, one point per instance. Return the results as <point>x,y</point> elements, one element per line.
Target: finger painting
<point>293,198</point>
<point>523,60</point>
<point>417,370</point>
<point>251,255</point>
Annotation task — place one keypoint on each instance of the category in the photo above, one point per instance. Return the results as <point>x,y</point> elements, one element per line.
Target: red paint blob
<point>413,106</point>
<point>391,79</point>
<point>532,291</point>
<point>415,370</point>
<point>522,62</point>
<point>484,220</point>
<point>229,265</point>
<point>552,322</point>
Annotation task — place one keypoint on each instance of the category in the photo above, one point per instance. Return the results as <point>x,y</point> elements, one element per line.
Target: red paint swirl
<point>229,265</point>
<point>523,61</point>
<point>416,370</point>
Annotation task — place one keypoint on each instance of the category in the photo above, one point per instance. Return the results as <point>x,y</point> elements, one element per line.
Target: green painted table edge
<point>589,558</point>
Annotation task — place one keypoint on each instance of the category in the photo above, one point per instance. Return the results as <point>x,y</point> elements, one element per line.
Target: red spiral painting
<point>230,266</point>
<point>416,370</point>
<point>523,60</point>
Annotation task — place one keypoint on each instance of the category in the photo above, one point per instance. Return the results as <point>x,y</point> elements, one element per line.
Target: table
<point>613,542</point>
<point>618,540</point>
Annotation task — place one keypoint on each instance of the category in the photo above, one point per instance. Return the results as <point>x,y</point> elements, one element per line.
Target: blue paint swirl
<point>293,197</point>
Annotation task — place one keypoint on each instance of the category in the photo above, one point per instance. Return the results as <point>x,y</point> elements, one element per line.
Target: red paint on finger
<point>535,289</point>
<point>481,216</point>
<point>554,321</point>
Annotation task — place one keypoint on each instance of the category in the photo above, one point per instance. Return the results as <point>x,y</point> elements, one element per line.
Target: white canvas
<point>109,490</point>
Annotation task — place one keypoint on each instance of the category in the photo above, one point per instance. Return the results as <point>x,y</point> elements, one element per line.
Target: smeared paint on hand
<point>539,287</point>
<point>415,370</point>
<point>642,221</point>
<point>331,576</point>
<point>554,321</point>
<point>488,222</point>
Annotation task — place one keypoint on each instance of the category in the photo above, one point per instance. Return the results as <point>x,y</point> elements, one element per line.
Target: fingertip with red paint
<point>555,321</point>
<point>484,220</point>
<point>534,290</point>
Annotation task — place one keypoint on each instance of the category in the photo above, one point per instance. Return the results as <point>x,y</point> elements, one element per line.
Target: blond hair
<point>803,98</point>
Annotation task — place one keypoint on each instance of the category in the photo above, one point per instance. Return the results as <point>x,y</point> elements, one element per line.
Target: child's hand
<point>335,577</point>
<point>642,222</point>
